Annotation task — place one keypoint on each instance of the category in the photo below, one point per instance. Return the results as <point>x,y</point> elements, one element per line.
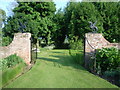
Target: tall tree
<point>77,17</point>
<point>2,20</point>
<point>2,17</point>
<point>21,23</point>
<point>60,33</point>
<point>110,12</point>
<point>31,15</point>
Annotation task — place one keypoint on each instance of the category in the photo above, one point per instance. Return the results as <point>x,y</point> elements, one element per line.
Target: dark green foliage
<point>110,12</point>
<point>73,21</point>
<point>2,20</point>
<point>43,8</point>
<point>36,18</point>
<point>77,45</point>
<point>77,16</point>
<point>59,34</point>
<point>112,73</point>
<point>13,25</point>
<point>6,41</point>
<point>47,30</point>
<point>2,17</point>
<point>106,63</point>
<point>77,56</point>
<point>107,59</point>
<point>10,61</point>
<point>42,21</point>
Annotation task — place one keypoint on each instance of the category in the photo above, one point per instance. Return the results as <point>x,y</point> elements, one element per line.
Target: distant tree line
<point>75,17</point>
<point>40,19</point>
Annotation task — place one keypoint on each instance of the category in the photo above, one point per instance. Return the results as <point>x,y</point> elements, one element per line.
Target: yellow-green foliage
<point>11,73</point>
<point>10,67</point>
<point>10,61</point>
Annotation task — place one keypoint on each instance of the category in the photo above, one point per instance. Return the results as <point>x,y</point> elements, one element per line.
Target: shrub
<point>10,61</point>
<point>114,75</point>
<point>77,45</point>
<point>6,41</point>
<point>11,67</point>
<point>107,59</point>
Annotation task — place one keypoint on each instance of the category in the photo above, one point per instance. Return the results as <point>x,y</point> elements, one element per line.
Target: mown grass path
<point>54,69</point>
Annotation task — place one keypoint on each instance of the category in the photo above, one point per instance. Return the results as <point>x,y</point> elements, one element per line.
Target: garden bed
<point>11,67</point>
<point>106,64</point>
<point>9,74</point>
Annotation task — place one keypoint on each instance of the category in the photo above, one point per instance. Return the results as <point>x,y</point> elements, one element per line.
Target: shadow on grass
<point>63,61</point>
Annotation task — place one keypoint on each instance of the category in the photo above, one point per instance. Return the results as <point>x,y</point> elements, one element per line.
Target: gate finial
<point>93,27</point>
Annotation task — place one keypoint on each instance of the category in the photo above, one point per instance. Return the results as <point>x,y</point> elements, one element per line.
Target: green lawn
<point>54,69</point>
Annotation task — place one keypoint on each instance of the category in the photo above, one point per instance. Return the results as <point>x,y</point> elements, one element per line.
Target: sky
<point>6,5</point>
<point>60,3</point>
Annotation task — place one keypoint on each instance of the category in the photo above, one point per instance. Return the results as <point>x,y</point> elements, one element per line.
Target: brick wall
<point>95,41</point>
<point>21,45</point>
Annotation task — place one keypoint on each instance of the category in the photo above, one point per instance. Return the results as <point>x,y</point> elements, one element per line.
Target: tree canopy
<point>110,13</point>
<point>2,17</point>
<point>33,17</point>
<point>76,17</point>
<point>40,19</point>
